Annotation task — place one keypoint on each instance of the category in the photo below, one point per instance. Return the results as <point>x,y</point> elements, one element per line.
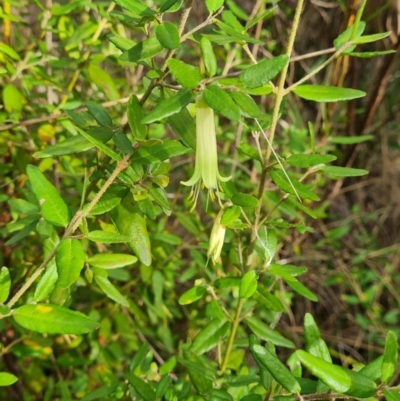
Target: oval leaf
<point>135,115</point>
<point>131,224</point>
<point>337,171</point>
<point>209,336</point>
<point>305,161</point>
<point>112,260</point>
<point>321,93</point>
<point>221,102</point>
<point>52,205</point>
<point>107,237</point>
<point>143,389</point>
<point>53,319</point>
<point>278,370</point>
<point>244,200</point>
<point>248,285</point>
<point>192,295</point>
<point>209,59</point>
<point>168,35</point>
<point>110,290</point>
<point>70,259</point>
<point>6,379</point>
<point>315,345</point>
<point>263,331</point>
<point>5,284</point>
<point>186,75</point>
<point>260,74</point>
<point>169,106</point>
<point>390,356</point>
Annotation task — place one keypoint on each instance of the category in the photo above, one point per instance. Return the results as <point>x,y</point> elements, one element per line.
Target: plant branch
<point>232,335</point>
<point>318,69</point>
<point>263,178</point>
<point>73,225</point>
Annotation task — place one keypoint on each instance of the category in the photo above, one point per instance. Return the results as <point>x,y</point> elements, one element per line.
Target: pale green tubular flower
<point>206,172</point>
<point>216,239</point>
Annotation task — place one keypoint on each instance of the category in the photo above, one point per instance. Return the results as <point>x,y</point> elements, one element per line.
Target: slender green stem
<point>282,79</point>
<point>318,69</point>
<point>263,178</point>
<point>232,335</point>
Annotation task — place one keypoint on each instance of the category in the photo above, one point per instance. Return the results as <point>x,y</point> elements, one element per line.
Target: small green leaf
<point>168,35</point>
<point>192,295</point>
<point>209,336</point>
<point>269,301</point>
<point>111,198</point>
<point>230,215</point>
<point>7,379</point>
<point>302,290</point>
<point>321,93</point>
<point>247,105</point>
<point>373,369</point>
<point>167,5</point>
<point>338,378</point>
<point>146,49</point>
<point>391,395</point>
<point>248,285</point>
<point>370,38</point>
<point>135,116</point>
<point>337,171</point>
<point>260,74</point>
<point>99,114</point>
<point>306,161</point>
<point>135,7</point>
<point>270,362</point>
<point>5,284</point>
<point>349,140</point>
<point>107,237</point>
<point>214,5</point>
<point>131,224</point>
<point>227,282</point>
<point>182,123</point>
<point>52,205</point>
<point>47,281</point>
<point>163,385</point>
<point>70,259</point>
<point>186,75</point>
<point>112,260</point>
<point>389,363</point>
<point>143,389</point>
<point>169,106</point>
<point>159,152</point>
<point>346,35</point>
<point>75,144</point>
<point>314,344</point>
<point>263,331</point>
<point>209,59</point>
<point>53,319</point>
<point>244,200</point>
<point>371,54</point>
<point>99,145</point>
<point>112,292</point>
<point>221,102</point>
<point>301,190</point>
<point>123,143</point>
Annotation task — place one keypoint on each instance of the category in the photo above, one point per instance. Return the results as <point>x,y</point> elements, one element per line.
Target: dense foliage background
<point>90,85</point>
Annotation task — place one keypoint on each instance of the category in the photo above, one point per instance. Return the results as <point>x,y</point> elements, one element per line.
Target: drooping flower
<point>216,239</point>
<point>206,172</point>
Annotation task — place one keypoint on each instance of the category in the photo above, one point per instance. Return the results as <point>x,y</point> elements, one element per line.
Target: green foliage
<point>117,282</point>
